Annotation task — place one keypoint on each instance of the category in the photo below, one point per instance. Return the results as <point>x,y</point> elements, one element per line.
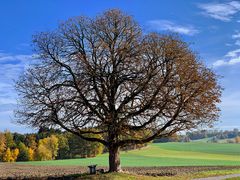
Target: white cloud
<point>219,63</point>
<point>221,11</point>
<point>234,61</point>
<point>11,66</point>
<point>231,58</point>
<point>236,36</point>
<point>165,25</point>
<point>233,53</point>
<point>4,57</point>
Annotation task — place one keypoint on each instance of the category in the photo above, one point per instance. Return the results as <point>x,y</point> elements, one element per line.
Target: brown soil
<point>17,171</point>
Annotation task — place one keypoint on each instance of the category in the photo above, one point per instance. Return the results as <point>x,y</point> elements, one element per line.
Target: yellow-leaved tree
<point>14,154</point>
<point>2,145</point>
<point>237,139</point>
<point>7,155</point>
<point>43,153</point>
<point>30,154</point>
<point>47,148</point>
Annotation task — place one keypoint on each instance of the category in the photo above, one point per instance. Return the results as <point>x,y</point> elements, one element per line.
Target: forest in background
<point>48,144</point>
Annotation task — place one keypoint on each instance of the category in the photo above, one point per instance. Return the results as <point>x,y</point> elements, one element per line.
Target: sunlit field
<point>165,154</point>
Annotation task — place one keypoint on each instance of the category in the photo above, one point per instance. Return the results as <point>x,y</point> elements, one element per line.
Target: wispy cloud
<point>231,58</point>
<point>236,36</point>
<point>233,54</point>
<point>11,67</point>
<point>221,11</point>
<point>165,25</point>
<point>4,57</point>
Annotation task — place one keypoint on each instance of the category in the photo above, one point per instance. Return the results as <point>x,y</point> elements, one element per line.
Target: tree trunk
<point>114,159</point>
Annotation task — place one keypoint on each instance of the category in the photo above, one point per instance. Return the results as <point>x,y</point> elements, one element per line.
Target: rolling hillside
<point>165,154</point>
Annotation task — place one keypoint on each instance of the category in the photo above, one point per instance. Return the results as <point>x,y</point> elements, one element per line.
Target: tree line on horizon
<point>231,136</point>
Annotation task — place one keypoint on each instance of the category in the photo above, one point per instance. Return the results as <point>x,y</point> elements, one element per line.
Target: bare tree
<point>103,76</point>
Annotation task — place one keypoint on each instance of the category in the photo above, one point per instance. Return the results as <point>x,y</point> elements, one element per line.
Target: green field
<point>166,154</point>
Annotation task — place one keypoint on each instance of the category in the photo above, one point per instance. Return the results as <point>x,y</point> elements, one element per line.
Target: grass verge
<point>123,176</point>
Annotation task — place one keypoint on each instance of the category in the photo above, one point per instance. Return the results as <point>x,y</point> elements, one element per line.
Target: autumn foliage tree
<point>2,144</point>
<point>237,139</point>
<point>15,153</point>
<point>47,148</point>
<point>7,155</point>
<point>104,76</point>
<point>30,154</point>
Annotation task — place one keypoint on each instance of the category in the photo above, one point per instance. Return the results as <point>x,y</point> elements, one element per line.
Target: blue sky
<point>211,27</point>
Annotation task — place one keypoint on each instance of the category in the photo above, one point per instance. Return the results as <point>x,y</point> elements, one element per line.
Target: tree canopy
<point>104,76</point>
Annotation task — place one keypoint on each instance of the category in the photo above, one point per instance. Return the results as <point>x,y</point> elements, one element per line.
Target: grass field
<point>165,154</point>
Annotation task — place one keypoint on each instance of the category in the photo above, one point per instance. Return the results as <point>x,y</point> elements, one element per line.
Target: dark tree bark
<point>103,80</point>
<point>114,159</point>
